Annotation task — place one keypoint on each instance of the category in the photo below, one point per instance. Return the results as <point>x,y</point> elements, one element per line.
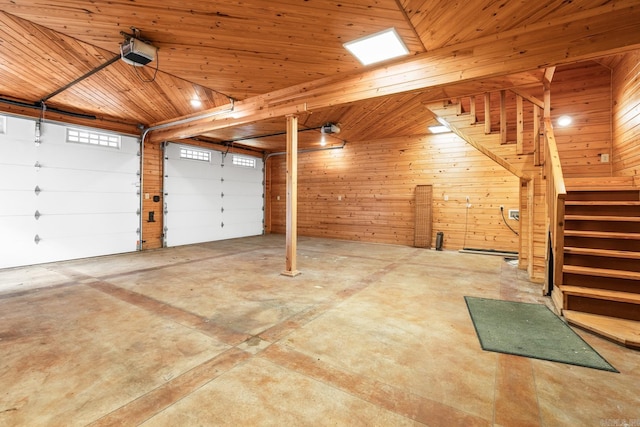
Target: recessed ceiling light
<point>564,121</point>
<point>377,47</point>
<point>439,129</point>
<point>195,103</point>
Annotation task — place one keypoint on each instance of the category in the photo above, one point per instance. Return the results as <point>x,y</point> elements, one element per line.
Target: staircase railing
<point>556,194</point>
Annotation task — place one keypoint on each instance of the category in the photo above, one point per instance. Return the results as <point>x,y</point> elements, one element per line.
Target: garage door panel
<point>23,203</point>
<point>88,225</point>
<point>194,218</point>
<point>87,202</point>
<point>87,181</point>
<point>17,177</point>
<point>19,130</point>
<point>16,240</point>
<point>191,202</point>
<point>202,195</point>
<point>61,203</point>
<point>51,249</point>
<point>188,187</point>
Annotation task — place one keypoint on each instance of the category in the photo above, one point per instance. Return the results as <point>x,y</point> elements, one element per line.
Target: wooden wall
<point>626,116</point>
<point>152,186</point>
<point>366,192</point>
<point>583,91</point>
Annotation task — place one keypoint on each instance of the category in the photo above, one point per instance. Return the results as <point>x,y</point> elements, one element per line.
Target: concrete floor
<point>212,334</point>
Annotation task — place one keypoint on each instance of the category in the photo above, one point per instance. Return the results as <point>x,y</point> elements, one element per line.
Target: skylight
<point>377,47</point>
<point>439,129</point>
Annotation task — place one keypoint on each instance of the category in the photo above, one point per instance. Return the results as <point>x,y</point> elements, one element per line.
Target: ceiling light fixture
<point>196,103</point>
<point>564,121</point>
<point>377,47</point>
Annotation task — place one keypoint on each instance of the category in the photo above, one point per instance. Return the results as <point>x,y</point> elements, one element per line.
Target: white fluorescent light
<point>377,47</point>
<point>439,129</point>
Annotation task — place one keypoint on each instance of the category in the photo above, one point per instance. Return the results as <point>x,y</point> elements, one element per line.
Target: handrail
<point>556,195</point>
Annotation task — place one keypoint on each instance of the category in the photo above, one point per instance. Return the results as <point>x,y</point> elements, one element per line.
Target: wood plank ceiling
<point>217,51</point>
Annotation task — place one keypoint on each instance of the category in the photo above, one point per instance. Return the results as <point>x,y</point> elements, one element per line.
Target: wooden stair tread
<point>602,234</point>
<point>623,331</point>
<point>604,294</point>
<point>605,187</point>
<point>626,180</point>
<point>602,218</point>
<point>601,272</point>
<point>602,203</point>
<point>602,252</point>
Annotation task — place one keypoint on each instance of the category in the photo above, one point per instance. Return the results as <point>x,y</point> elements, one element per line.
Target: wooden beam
<point>484,150</point>
<point>292,196</point>
<point>536,135</point>
<point>532,99</point>
<point>547,103</point>
<point>582,36</point>
<point>503,117</point>
<point>519,125</point>
<point>487,113</point>
<point>473,118</point>
<point>548,76</point>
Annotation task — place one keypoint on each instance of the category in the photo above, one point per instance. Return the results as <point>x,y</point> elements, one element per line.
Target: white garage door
<point>211,196</point>
<point>74,195</point>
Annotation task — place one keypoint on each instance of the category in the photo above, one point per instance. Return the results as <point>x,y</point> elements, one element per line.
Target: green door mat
<point>530,330</point>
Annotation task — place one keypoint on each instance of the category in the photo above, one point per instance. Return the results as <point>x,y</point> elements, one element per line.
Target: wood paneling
<point>626,116</point>
<point>366,191</point>
<point>152,232</point>
<point>583,91</point>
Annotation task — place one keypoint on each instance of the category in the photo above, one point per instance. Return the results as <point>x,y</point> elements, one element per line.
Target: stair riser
<point>603,307</point>
<point>627,195</point>
<point>598,243</point>
<point>598,282</point>
<point>630,211</point>
<point>611,263</point>
<point>613,226</point>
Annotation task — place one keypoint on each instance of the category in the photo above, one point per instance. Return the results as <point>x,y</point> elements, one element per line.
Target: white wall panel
<point>88,199</point>
<point>206,201</point>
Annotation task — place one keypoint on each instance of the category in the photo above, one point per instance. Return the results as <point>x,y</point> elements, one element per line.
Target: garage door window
<point>93,138</point>
<point>245,162</point>
<point>191,154</point>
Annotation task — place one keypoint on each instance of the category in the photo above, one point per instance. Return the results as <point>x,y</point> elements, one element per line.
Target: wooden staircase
<point>600,288</point>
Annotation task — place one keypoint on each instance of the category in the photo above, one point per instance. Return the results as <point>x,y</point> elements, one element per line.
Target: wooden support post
<point>487,113</point>
<point>503,117</point>
<point>531,186</point>
<point>458,106</point>
<point>473,118</point>
<point>519,125</point>
<point>536,135</point>
<point>547,103</point>
<point>292,196</point>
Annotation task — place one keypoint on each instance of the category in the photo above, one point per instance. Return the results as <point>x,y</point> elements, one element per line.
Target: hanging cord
<point>505,221</point>
<point>155,72</point>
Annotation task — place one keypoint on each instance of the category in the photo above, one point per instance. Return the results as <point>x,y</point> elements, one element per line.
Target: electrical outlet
<point>514,214</point>
<point>604,158</point>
